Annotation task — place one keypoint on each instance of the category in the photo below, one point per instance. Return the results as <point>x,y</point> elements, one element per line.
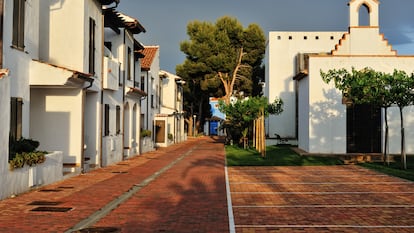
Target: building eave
<point>57,75</point>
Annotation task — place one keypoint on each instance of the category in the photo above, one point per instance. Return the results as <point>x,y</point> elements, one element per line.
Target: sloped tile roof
<point>149,53</point>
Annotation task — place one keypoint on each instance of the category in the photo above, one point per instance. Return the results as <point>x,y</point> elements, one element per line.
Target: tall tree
<point>401,90</point>
<point>221,58</point>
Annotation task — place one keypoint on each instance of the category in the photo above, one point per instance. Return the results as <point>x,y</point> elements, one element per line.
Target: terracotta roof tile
<point>149,53</point>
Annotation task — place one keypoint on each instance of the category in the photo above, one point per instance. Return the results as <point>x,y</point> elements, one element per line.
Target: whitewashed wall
<point>23,179</point>
<point>327,116</point>
<point>56,121</point>
<point>281,64</point>
<point>17,61</point>
<point>4,125</point>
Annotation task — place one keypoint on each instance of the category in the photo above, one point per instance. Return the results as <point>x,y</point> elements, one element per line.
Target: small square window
<point>332,37</point>
<point>305,37</point>
<point>316,37</point>
<point>279,37</point>
<point>290,37</point>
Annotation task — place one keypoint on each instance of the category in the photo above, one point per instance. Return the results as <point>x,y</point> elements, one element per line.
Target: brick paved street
<point>320,199</point>
<point>182,188</point>
<point>189,197</point>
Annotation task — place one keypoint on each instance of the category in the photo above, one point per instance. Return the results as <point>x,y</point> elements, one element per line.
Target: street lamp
<point>194,123</point>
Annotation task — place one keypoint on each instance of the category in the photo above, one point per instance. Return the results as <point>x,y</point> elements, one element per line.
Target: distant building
<point>150,83</point>
<point>314,113</point>
<point>212,125</point>
<point>169,124</point>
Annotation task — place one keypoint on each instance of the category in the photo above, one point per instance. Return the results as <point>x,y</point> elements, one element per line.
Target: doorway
<point>363,129</point>
<point>160,131</point>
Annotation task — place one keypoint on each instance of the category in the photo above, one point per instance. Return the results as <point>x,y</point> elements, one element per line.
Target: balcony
<point>111,74</point>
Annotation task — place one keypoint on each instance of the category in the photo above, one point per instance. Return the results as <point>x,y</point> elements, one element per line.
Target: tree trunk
<point>403,155</point>
<point>229,83</point>
<point>386,155</point>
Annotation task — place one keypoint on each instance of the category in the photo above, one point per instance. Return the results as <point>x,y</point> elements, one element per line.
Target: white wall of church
<point>326,114</point>
<point>281,59</point>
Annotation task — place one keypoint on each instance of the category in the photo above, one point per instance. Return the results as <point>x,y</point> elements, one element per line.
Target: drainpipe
<point>100,140</point>
<point>123,95</point>
<point>90,80</point>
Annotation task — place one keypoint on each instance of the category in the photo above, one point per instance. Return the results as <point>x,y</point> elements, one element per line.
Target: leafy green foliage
<point>275,156</point>
<point>23,151</point>
<point>241,114</point>
<point>213,48</point>
<point>21,145</point>
<point>145,133</point>
<point>377,88</point>
<point>29,158</point>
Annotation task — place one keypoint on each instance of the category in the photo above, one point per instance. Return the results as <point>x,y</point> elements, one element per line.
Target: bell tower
<point>355,8</point>
<point>363,40</point>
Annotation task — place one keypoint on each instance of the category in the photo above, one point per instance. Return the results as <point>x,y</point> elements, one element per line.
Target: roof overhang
<point>135,92</point>
<point>47,74</point>
<point>109,2</point>
<point>115,20</point>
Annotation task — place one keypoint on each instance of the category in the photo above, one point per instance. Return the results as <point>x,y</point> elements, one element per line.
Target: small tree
<point>401,90</point>
<point>241,114</point>
<point>380,89</point>
<point>365,86</point>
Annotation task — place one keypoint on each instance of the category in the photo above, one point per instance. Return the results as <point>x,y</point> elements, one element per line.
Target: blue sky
<point>166,20</point>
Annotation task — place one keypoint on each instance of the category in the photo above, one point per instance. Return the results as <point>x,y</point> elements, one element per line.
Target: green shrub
<point>23,151</point>
<point>170,136</point>
<point>29,158</point>
<point>145,133</point>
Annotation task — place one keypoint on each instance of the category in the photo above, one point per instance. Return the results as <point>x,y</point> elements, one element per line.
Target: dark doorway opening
<point>363,129</point>
<point>159,131</point>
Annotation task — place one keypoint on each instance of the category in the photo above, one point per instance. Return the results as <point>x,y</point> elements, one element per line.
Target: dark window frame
<point>118,119</point>
<point>106,120</point>
<point>18,24</point>
<point>129,63</point>
<point>143,82</point>
<point>92,48</point>
<point>16,117</point>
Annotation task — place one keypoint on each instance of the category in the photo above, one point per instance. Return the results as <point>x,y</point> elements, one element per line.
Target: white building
<point>121,91</point>
<point>314,113</point>
<point>47,90</point>
<point>170,122</point>
<point>150,83</point>
<point>66,81</point>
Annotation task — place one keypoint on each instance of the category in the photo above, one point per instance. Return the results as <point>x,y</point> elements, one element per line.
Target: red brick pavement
<point>320,199</point>
<point>188,197</point>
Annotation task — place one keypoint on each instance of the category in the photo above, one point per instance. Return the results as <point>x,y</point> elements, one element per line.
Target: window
<point>16,115</point>
<point>290,37</point>
<point>316,37</point>
<point>143,82</point>
<point>118,119</point>
<point>152,101</point>
<point>18,24</point>
<point>119,75</point>
<point>106,127</point>
<point>92,46</point>
<point>108,45</point>
<point>305,37</point>
<point>129,66</point>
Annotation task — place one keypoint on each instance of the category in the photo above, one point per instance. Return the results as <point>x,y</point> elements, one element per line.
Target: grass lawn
<point>280,155</point>
<point>394,169</point>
